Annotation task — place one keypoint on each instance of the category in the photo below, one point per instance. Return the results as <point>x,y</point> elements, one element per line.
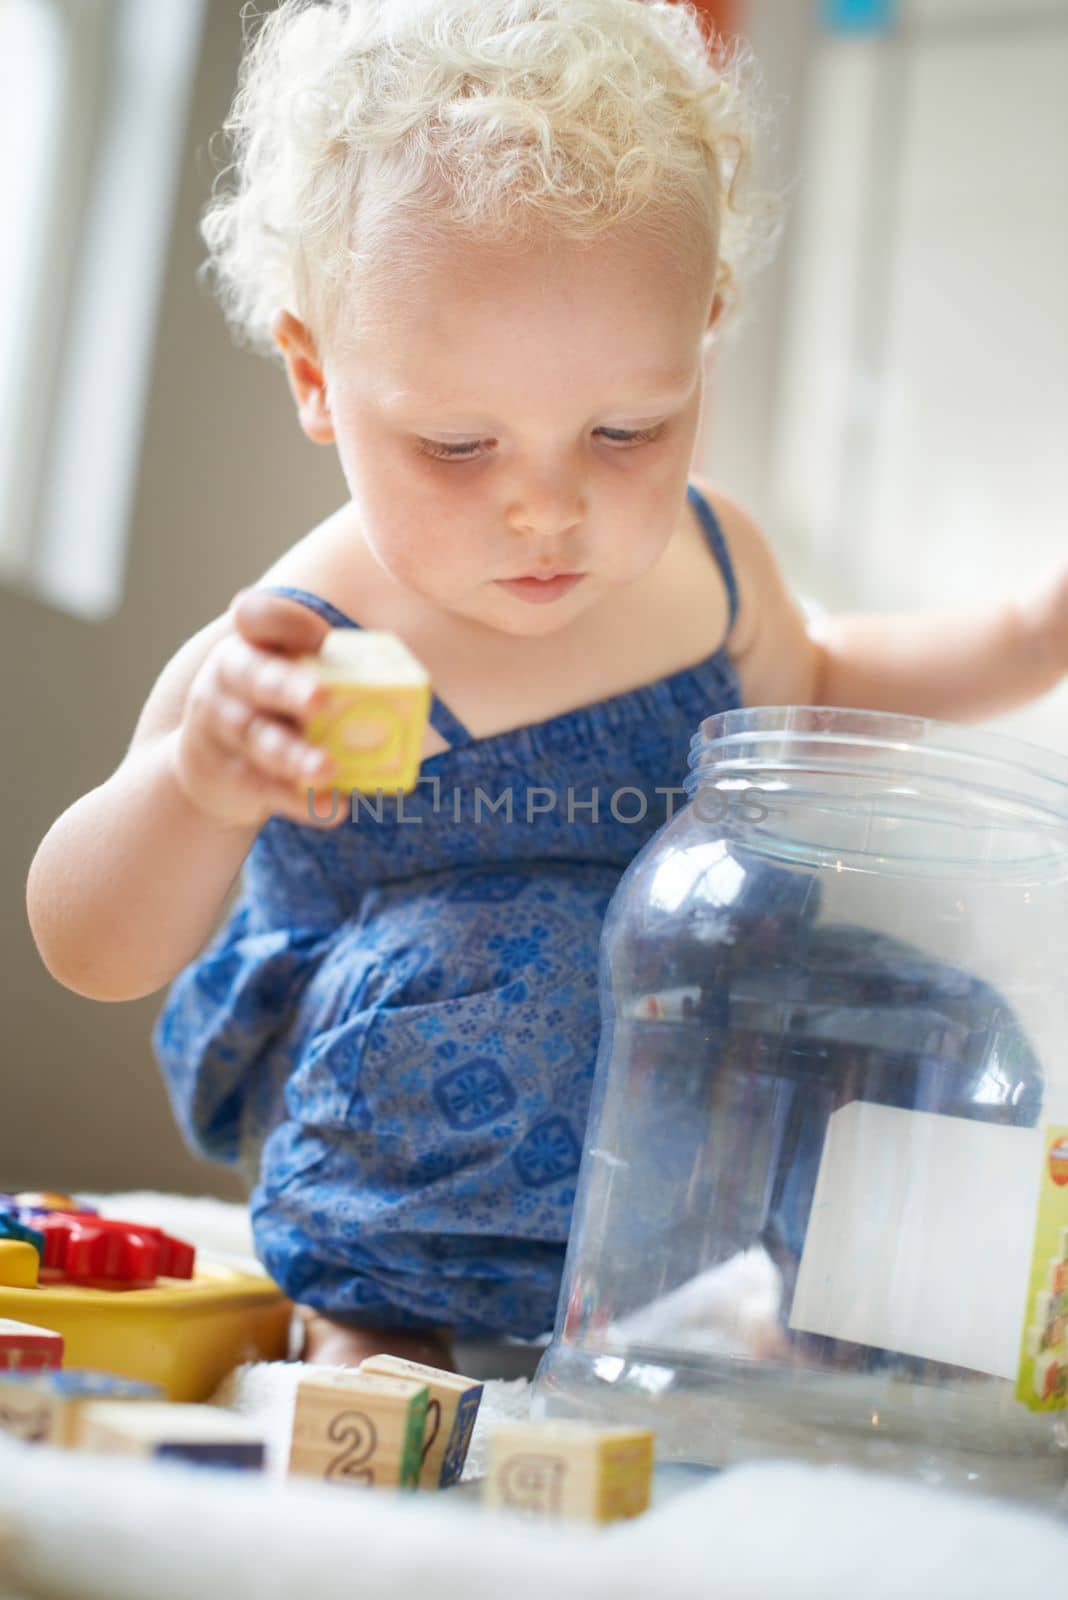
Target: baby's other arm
<point>128,882</point>
<point>958,666</point>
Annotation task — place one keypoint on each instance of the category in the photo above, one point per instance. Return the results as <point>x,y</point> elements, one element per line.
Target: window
<point>93,102</point>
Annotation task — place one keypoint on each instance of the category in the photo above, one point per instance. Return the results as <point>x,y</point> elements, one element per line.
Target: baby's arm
<point>128,882</point>
<point>958,666</point>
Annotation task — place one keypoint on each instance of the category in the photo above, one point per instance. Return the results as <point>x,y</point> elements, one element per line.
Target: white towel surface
<point>100,1528</point>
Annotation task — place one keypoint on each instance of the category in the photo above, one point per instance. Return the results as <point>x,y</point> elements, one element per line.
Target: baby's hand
<point>241,757</point>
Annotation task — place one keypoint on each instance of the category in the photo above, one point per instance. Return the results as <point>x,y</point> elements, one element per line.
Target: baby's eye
<point>468,451</point>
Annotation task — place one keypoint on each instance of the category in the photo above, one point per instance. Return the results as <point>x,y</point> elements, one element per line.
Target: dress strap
<point>441,718</point>
<point>718,543</point>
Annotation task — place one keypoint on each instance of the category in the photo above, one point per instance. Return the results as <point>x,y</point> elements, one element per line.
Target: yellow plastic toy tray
<point>184,1334</point>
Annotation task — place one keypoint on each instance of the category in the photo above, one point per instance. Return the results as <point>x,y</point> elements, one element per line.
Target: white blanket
<point>99,1528</point>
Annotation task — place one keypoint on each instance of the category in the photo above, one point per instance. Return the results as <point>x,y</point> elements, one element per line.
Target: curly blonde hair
<point>364,130</point>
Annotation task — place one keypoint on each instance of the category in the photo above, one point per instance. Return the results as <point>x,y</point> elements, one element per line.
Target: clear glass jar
<point>834,1043</point>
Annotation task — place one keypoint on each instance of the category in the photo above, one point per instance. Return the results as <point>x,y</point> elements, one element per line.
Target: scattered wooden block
<point>19,1264</point>
<point>569,1469</point>
<point>49,1407</point>
<point>201,1435</point>
<point>373,723</point>
<point>23,1345</point>
<point>355,1427</point>
<point>450,1418</point>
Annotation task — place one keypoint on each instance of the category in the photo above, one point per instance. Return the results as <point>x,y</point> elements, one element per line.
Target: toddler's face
<point>513,412</point>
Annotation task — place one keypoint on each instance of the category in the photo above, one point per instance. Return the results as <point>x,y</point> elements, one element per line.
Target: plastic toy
<point>107,1253</point>
<point>201,1435</point>
<point>569,1469</point>
<point>19,1264</point>
<point>47,1200</point>
<point>27,1345</point>
<point>356,1428</point>
<point>49,1407</point>
<point>12,1226</point>
<point>450,1419</point>
<point>376,714</point>
<point>185,1337</point>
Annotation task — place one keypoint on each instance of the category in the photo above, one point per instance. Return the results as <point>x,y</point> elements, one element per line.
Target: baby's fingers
<point>272,745</point>
<point>267,683</point>
<point>269,785</point>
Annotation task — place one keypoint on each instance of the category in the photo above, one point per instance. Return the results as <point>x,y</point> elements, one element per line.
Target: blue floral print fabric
<point>394,1032</point>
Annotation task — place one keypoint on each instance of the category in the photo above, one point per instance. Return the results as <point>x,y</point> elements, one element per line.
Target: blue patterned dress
<point>395,1030</point>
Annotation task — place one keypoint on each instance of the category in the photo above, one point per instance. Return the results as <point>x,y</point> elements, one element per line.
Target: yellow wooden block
<point>450,1418</point>
<point>50,1407</point>
<point>569,1469</point>
<point>18,1264</point>
<point>355,1427</point>
<point>204,1435</point>
<point>376,714</point>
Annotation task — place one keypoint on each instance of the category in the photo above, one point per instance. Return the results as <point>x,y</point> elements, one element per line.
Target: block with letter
<point>359,1428</point>
<point>24,1345</point>
<point>569,1469</point>
<point>376,714</point>
<point>50,1407</point>
<point>203,1436</point>
<point>450,1418</point>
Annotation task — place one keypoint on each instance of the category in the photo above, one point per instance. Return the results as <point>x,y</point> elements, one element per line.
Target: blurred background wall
<point>893,409</point>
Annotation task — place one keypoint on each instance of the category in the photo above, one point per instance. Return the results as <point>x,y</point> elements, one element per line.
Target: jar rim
<point>782,738</point>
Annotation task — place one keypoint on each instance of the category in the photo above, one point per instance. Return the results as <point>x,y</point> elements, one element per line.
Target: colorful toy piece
<point>450,1418</point>
<point>357,1428</point>
<point>204,1436</point>
<point>24,1345</point>
<point>49,1407</point>
<point>19,1264</point>
<point>569,1469</point>
<point>14,1226</point>
<point>374,720</point>
<point>184,1335</point>
<point>103,1252</point>
<point>49,1200</point>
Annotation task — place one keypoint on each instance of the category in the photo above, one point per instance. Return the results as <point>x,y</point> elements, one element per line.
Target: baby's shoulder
<point>769,642</point>
<point>326,561</point>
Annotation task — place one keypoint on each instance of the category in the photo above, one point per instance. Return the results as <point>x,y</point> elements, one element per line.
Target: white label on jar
<point>919,1239</point>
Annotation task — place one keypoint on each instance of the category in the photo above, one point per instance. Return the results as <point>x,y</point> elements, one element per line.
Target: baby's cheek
<point>430,563</point>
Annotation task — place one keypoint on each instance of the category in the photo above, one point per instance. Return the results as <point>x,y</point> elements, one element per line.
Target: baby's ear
<point>307,381</point>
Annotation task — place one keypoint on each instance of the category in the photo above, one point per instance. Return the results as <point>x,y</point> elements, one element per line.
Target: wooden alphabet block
<point>20,1264</point>
<point>49,1407</point>
<point>200,1435</point>
<point>374,720</point>
<point>24,1345</point>
<point>450,1418</point>
<point>569,1469</point>
<point>359,1428</point>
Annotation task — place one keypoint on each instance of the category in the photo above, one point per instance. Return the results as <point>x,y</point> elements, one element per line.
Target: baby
<point>491,241</point>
